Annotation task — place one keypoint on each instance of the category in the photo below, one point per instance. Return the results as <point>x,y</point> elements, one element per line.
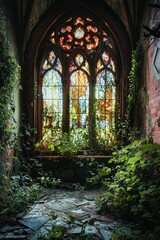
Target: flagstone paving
<point>53,209</point>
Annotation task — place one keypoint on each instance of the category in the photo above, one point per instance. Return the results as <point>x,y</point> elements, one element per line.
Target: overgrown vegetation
<point>21,192</point>
<point>131,180</point>
<point>132,185</point>
<point>61,232</point>
<point>9,73</point>
<point>15,191</point>
<point>64,144</point>
<point>128,129</point>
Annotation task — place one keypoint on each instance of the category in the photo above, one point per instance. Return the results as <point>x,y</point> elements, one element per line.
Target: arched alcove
<point>39,45</point>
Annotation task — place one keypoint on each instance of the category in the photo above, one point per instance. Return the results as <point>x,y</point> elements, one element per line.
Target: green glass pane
<point>52,102</point>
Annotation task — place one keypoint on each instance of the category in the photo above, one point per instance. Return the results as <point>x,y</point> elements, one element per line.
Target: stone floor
<point>73,212</point>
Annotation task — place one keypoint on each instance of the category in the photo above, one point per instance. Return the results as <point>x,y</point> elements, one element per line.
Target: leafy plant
<point>64,144</point>
<point>9,81</point>
<point>128,128</point>
<point>132,183</point>
<point>49,181</point>
<point>21,193</point>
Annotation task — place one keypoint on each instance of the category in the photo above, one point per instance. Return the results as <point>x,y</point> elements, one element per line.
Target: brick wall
<point>151,75</point>
<point>153,90</point>
<point>150,86</point>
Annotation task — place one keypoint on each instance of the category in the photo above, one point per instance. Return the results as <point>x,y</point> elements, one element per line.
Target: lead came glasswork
<point>78,85</point>
<point>52,95</point>
<point>79,93</point>
<point>105,98</point>
<point>79,98</point>
<point>79,33</point>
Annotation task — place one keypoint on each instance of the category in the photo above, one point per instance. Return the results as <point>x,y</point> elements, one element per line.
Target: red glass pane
<point>70,38</point>
<point>96,39</point>
<point>66,46</point>
<point>79,21</point>
<point>88,38</point>
<point>94,29</point>
<point>61,41</point>
<point>69,28</point>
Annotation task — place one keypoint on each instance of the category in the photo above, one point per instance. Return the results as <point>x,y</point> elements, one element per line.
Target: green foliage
<point>57,232</point>
<point>132,183</point>
<point>134,81</point>
<point>22,192</point>
<point>49,181</point>
<point>26,135</point>
<point>105,142</point>
<point>60,232</point>
<point>64,144</point>
<point>125,231</point>
<point>19,191</point>
<point>128,129</point>
<point>9,76</point>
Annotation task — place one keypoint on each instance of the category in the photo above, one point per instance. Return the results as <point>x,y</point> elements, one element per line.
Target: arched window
<point>105,92</point>
<point>52,96</point>
<point>79,92</point>
<point>78,82</point>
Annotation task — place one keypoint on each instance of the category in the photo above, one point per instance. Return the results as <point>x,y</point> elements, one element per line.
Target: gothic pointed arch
<point>76,58</point>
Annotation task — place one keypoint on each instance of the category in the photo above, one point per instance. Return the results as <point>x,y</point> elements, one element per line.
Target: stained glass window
<point>79,92</point>
<point>52,95</point>
<point>78,84</point>
<point>105,93</point>
<point>80,32</point>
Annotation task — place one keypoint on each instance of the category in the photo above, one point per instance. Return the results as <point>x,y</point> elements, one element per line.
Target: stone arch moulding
<point>33,48</point>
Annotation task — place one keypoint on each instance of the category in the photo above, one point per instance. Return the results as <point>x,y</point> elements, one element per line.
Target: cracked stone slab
<point>34,223</point>
<point>92,209</point>
<point>79,214</point>
<point>11,236</point>
<point>75,230</point>
<point>60,223</point>
<point>60,206</point>
<point>36,211</point>
<point>5,229</point>
<point>81,202</point>
<point>42,232</point>
<point>106,235</point>
<point>89,229</point>
<point>101,218</point>
<point>101,225</point>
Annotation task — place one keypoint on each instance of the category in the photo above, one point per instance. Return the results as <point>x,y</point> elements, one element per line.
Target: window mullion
<point>91,109</point>
<point>65,125</point>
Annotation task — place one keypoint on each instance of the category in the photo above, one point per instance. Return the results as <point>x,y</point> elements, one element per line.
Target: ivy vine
<point>128,128</point>
<point>9,75</point>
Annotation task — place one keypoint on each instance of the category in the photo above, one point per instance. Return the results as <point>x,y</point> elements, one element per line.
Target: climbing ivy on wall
<point>9,75</point>
<point>134,83</point>
<point>128,128</point>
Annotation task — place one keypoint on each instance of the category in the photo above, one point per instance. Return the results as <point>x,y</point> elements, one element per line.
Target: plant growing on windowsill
<point>63,144</point>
